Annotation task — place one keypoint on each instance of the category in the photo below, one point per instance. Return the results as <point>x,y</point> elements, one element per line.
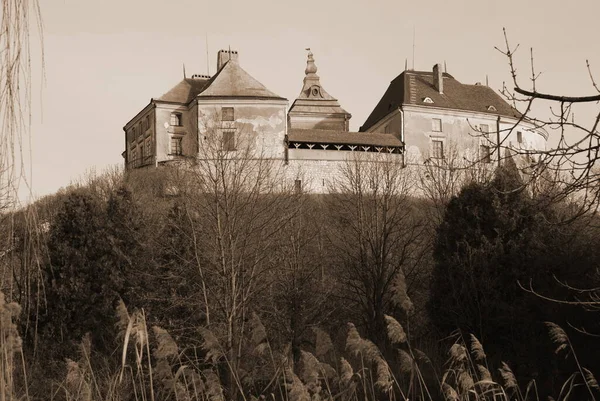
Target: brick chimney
<point>224,56</point>
<point>438,79</point>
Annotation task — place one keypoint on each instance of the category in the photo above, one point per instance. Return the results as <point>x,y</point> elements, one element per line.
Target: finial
<point>311,67</point>
<point>405,64</point>
<point>184,77</point>
<point>445,68</point>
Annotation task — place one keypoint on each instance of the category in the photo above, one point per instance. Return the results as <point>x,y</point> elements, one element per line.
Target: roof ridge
<point>237,83</point>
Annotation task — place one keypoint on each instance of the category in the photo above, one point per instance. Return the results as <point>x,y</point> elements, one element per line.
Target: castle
<point>419,117</point>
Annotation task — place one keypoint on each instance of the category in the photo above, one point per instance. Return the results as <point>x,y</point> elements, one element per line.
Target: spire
<point>312,83</point>
<point>311,67</point>
<point>314,108</point>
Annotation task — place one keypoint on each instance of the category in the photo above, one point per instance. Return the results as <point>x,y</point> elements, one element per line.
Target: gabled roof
<point>318,136</point>
<point>412,87</point>
<point>185,91</point>
<point>233,81</point>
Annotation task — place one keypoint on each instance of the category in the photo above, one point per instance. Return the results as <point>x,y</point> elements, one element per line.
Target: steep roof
<point>185,91</point>
<point>342,137</point>
<point>233,81</point>
<point>412,87</point>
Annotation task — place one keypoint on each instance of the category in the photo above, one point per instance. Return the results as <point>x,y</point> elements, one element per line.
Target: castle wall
<point>260,124</point>
<point>315,121</point>
<point>320,171</point>
<point>459,130</point>
<point>165,132</point>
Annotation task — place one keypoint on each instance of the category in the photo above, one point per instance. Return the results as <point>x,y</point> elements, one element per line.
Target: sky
<point>105,60</point>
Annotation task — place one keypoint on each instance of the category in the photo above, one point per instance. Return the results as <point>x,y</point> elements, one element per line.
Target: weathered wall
<point>459,129</point>
<point>139,139</point>
<point>332,122</point>
<point>165,131</point>
<point>319,170</point>
<point>258,123</point>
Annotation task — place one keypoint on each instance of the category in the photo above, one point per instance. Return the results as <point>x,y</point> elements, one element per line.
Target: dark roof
<point>342,137</point>
<point>412,87</point>
<point>233,81</point>
<point>185,91</point>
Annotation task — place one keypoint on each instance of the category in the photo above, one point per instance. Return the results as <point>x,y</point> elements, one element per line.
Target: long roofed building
<point>419,116</point>
<point>431,111</point>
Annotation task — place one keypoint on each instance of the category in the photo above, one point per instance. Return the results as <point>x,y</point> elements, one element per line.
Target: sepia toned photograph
<point>299,201</point>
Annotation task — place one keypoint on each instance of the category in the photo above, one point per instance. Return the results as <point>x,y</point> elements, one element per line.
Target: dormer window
<point>315,91</point>
<point>427,100</point>
<point>491,108</point>
<point>176,119</point>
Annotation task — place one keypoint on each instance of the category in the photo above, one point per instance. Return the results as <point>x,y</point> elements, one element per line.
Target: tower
<point>314,108</point>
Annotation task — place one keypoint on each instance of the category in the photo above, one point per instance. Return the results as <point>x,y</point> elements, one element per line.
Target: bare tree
<point>236,202</point>
<point>572,162</point>
<point>438,180</point>
<point>379,236</point>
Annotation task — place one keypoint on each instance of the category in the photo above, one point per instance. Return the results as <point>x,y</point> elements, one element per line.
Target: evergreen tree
<point>493,240</point>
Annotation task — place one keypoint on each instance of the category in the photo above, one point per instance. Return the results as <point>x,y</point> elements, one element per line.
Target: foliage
<point>90,248</point>
<point>493,238</point>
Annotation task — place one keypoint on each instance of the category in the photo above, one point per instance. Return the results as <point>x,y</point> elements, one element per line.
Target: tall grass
<point>153,367</point>
<point>13,377</point>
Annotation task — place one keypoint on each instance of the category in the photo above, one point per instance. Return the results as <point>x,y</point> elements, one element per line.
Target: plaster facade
<point>419,118</point>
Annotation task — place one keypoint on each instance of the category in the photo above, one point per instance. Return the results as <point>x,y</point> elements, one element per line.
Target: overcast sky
<point>105,60</point>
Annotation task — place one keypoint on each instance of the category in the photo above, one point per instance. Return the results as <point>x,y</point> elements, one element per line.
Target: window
<point>133,156</point>
<point>437,149</point>
<point>228,141</point>
<point>133,134</point>
<point>176,148</point>
<point>148,147</point>
<point>484,154</point>
<point>176,119</point>
<point>227,114</point>
<point>142,153</point>
<point>298,186</point>
<point>147,122</point>
<point>436,125</point>
<point>519,137</point>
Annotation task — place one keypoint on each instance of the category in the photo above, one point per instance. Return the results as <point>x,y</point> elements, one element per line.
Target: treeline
<point>218,283</point>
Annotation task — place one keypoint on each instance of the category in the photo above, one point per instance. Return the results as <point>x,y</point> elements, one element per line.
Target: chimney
<point>224,56</point>
<point>438,80</point>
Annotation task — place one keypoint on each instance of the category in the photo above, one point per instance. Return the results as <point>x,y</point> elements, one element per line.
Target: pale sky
<point>105,60</point>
